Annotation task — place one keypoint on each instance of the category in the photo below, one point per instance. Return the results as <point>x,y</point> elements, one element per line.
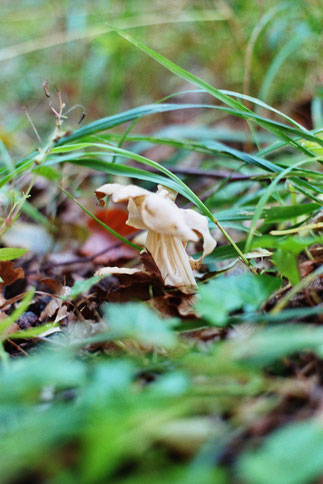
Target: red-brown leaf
<point>9,273</point>
<point>101,240</point>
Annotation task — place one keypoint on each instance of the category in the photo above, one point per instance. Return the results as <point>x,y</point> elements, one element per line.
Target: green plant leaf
<point>223,295</point>
<point>271,215</point>
<point>286,263</point>
<point>237,108</point>
<point>285,258</point>
<point>290,455</point>
<point>80,287</point>
<point>32,332</point>
<point>265,346</point>
<point>10,253</point>
<point>138,322</point>
<point>115,169</point>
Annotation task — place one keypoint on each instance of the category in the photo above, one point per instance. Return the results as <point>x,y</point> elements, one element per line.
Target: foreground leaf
<point>137,321</point>
<point>291,455</point>
<point>226,294</point>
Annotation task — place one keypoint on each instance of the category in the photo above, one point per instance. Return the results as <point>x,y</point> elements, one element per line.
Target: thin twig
<point>220,175</point>
<point>17,347</point>
<point>296,289</point>
<point>209,173</point>
<point>212,173</point>
<point>32,125</point>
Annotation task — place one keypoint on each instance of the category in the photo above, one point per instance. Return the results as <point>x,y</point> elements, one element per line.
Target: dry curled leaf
<point>53,284</point>
<point>56,304</point>
<point>134,283</point>
<point>9,274</point>
<point>175,304</point>
<point>51,308</point>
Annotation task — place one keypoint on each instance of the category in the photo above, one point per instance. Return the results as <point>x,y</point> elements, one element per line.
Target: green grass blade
<point>263,200</point>
<point>180,72</point>
<point>117,169</point>
<point>238,109</point>
<point>210,147</point>
<point>15,315</point>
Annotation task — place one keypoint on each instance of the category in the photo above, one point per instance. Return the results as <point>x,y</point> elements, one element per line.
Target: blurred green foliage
<point>70,418</point>
<point>105,74</point>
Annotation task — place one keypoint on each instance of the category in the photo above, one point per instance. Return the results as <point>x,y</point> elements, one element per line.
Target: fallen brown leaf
<point>53,284</point>
<point>306,267</point>
<point>51,308</point>
<point>9,273</point>
<point>147,284</point>
<point>56,304</point>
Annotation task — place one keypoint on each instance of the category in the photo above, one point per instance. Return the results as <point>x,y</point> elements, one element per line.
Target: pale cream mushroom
<point>169,229</point>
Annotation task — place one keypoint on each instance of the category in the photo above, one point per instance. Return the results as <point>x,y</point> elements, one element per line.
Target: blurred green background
<point>267,49</point>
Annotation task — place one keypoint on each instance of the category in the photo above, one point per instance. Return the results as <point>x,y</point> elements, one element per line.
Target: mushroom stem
<point>169,253</point>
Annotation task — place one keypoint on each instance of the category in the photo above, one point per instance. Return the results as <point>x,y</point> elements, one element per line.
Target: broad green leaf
<point>280,214</point>
<point>285,257</point>
<point>27,376</point>
<point>272,215</point>
<point>286,263</point>
<point>226,294</point>
<point>175,383</point>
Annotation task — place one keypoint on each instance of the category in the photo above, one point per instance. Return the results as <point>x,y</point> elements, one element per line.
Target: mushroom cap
<point>164,217</point>
<point>199,224</point>
<point>120,193</point>
<point>158,212</point>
